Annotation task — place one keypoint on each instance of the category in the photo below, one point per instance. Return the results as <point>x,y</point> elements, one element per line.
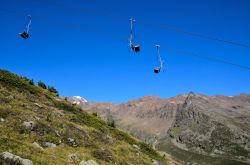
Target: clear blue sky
<point>80,46</point>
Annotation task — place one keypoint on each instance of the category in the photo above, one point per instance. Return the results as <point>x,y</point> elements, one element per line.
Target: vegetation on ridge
<point>34,118</point>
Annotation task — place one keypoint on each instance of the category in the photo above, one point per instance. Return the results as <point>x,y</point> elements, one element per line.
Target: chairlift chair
<point>135,48</point>
<point>25,33</point>
<point>158,69</point>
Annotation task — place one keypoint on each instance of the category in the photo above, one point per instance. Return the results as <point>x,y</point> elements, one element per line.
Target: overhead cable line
<point>206,57</point>
<point>177,51</point>
<point>155,24</point>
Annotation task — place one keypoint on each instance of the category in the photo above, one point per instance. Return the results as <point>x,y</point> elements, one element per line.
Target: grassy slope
<point>20,101</point>
<point>191,157</point>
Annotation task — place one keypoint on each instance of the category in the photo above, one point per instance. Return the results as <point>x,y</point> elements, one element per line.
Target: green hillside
<point>36,124</point>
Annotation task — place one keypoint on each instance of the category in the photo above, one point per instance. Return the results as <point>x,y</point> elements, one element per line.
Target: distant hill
<point>192,127</point>
<point>37,127</point>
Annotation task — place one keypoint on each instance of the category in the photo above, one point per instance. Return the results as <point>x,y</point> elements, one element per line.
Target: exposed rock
<point>37,118</point>
<point>31,125</point>
<point>72,142</point>
<point>59,114</point>
<point>2,120</point>
<point>57,133</point>
<point>40,106</point>
<point>37,145</point>
<point>73,158</point>
<point>135,148</point>
<point>88,162</point>
<point>48,145</point>
<point>155,162</point>
<point>108,139</point>
<point>9,158</point>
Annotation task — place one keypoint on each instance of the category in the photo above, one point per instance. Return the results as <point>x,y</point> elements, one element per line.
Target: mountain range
<point>38,127</point>
<point>193,128</point>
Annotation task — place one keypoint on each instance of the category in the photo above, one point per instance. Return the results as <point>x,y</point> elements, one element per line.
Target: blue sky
<point>80,46</point>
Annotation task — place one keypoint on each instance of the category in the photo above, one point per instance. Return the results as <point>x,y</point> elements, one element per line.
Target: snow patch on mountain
<point>78,100</point>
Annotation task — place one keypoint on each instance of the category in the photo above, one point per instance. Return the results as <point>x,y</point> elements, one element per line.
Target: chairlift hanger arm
<point>25,33</point>
<point>135,48</point>
<point>131,32</point>
<point>28,26</point>
<point>159,55</point>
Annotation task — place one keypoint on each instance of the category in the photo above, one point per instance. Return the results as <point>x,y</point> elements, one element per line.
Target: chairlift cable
<point>163,26</point>
<point>178,51</point>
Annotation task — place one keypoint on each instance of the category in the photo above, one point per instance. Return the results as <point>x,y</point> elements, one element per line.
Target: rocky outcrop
<point>31,125</point>
<point>73,158</point>
<point>37,145</point>
<point>210,125</point>
<point>135,148</point>
<point>71,142</point>
<point>202,129</point>
<point>9,158</point>
<point>48,145</point>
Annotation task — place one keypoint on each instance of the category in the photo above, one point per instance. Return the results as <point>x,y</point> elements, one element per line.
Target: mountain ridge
<point>181,121</point>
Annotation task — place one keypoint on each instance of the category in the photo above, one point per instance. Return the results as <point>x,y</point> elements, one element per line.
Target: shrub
<point>95,114</point>
<point>53,90</point>
<point>31,82</point>
<point>111,123</point>
<point>105,155</point>
<point>10,80</point>
<point>42,85</point>
<point>147,149</point>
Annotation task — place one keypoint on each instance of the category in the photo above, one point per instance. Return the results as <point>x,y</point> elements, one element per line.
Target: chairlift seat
<point>157,70</point>
<point>24,35</point>
<point>136,48</point>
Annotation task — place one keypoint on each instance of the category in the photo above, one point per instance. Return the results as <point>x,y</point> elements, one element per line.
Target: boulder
<point>135,148</point>
<point>108,139</point>
<point>48,145</point>
<point>72,142</point>
<point>37,145</point>
<point>73,158</point>
<point>89,162</point>
<point>31,125</point>
<point>9,158</point>
<point>57,133</point>
<point>155,162</point>
<point>38,105</point>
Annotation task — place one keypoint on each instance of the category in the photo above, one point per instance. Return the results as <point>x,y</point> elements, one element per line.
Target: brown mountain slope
<point>216,126</point>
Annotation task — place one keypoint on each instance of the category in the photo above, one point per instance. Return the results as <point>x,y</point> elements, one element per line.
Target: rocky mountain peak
<point>149,98</point>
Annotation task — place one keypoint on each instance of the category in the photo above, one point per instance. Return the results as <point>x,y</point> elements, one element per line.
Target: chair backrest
<point>24,35</point>
<point>157,70</point>
<point>137,48</point>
